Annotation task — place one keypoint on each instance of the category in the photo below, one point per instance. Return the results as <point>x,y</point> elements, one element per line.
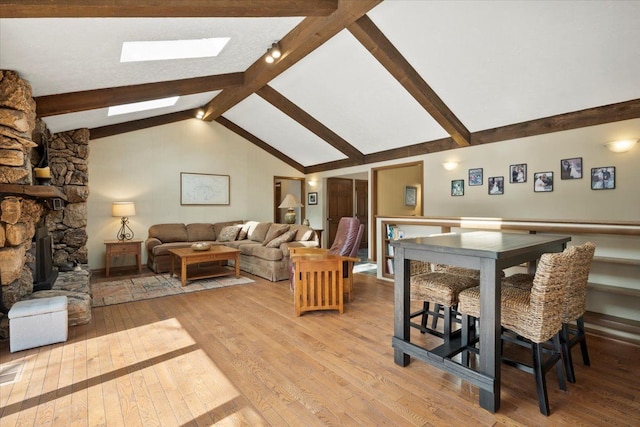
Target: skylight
<point>142,106</point>
<point>172,49</point>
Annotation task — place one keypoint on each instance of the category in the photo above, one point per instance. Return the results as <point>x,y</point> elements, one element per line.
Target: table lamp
<point>124,210</point>
<point>290,201</point>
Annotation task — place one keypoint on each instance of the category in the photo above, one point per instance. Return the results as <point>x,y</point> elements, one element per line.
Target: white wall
<point>144,167</point>
<point>570,199</point>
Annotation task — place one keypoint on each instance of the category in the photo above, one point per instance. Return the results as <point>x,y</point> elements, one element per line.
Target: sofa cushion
<point>199,232</point>
<point>229,233</point>
<point>257,250</point>
<point>168,233</point>
<point>274,231</point>
<point>163,249</point>
<point>260,232</point>
<point>283,238</point>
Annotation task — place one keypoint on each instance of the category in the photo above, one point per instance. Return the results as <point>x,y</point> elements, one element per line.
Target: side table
<point>123,247</point>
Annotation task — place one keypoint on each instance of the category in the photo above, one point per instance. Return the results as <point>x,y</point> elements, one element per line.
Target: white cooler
<point>37,322</point>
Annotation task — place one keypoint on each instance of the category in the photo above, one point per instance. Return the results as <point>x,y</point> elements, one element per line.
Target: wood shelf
<point>35,191</point>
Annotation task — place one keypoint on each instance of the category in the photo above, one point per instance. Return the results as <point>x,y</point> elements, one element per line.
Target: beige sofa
<point>264,246</point>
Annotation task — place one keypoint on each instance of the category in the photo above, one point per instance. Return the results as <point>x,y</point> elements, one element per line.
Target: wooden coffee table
<point>188,256</point>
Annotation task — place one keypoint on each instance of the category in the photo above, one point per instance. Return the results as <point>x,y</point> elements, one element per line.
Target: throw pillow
<point>260,232</point>
<point>283,238</point>
<point>274,231</point>
<point>229,233</point>
<point>244,231</point>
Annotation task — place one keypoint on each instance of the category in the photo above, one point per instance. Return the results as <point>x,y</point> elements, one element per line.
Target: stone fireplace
<point>55,206</point>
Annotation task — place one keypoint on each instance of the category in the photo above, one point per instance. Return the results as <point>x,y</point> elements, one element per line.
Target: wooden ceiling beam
<point>577,119</point>
<point>298,43</point>
<point>283,104</point>
<point>110,130</point>
<point>323,167</point>
<point>51,105</point>
<point>370,36</point>
<point>164,9</point>
<point>260,143</point>
<point>627,110</point>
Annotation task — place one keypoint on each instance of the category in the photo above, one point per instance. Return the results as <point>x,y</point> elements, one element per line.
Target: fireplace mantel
<point>35,191</point>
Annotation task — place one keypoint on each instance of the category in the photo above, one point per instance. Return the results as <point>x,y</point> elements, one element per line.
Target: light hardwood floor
<point>239,356</point>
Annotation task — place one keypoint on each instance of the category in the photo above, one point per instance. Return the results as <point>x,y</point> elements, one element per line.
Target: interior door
<point>340,204</point>
<point>362,209</point>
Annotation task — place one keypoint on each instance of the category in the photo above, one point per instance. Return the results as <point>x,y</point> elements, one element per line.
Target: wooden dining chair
<point>531,318</point>
<point>318,284</point>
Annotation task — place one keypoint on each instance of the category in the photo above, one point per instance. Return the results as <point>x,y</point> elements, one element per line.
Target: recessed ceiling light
<point>142,106</point>
<point>171,49</point>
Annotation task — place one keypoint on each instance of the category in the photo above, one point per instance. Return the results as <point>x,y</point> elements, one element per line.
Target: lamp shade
<point>290,201</point>
<point>123,209</point>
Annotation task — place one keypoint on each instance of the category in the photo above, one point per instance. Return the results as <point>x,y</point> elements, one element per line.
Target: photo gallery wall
<point>602,177</point>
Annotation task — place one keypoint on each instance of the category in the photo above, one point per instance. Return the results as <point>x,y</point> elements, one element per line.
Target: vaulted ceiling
<point>359,81</point>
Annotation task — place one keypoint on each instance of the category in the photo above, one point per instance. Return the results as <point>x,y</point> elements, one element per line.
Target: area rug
<point>141,288</point>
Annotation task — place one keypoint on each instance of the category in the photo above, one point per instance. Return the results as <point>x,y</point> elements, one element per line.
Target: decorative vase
<point>290,217</point>
<point>306,222</point>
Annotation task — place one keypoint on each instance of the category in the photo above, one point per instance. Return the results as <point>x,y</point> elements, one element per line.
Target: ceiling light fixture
<point>621,146</point>
<point>172,49</point>
<point>273,53</point>
<point>200,114</point>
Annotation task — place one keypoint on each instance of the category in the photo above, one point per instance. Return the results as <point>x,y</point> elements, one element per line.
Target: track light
<point>273,53</point>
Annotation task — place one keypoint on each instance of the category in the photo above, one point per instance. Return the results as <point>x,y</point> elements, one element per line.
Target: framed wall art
<point>204,189</point>
<point>475,177</point>
<point>410,196</point>
<point>571,168</point>
<point>457,187</point>
<point>542,182</point>
<point>312,198</point>
<point>603,178</point>
<point>518,173</point>
<point>496,185</point>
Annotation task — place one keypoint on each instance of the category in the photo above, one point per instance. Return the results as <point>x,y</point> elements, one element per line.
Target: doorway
<point>283,185</point>
<point>339,204</point>
<point>362,209</point>
<point>388,187</point>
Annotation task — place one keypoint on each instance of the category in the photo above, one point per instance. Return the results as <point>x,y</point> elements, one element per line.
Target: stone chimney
<point>24,141</point>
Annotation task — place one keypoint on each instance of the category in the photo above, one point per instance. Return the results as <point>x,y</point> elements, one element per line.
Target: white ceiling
<point>492,63</point>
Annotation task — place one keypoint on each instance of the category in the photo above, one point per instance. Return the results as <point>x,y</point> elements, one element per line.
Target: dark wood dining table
<point>487,251</point>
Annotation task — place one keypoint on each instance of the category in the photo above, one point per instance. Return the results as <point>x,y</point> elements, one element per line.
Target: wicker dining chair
<point>531,318</point>
<point>573,308</point>
<point>440,289</point>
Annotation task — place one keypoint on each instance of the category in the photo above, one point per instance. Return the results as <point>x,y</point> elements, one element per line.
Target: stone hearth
<point>25,143</point>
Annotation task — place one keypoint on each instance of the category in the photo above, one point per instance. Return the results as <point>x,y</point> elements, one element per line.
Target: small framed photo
<point>475,177</point>
<point>603,178</point>
<point>518,173</point>
<point>571,168</point>
<point>410,196</point>
<point>312,199</point>
<point>542,182</point>
<point>496,185</point>
<point>457,187</point>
